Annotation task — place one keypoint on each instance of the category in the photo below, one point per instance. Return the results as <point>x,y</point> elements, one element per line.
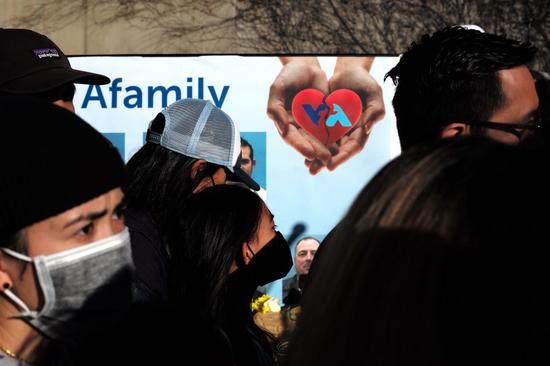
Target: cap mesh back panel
<point>216,140</point>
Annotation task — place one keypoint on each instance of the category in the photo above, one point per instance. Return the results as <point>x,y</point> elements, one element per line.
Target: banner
<point>142,86</point>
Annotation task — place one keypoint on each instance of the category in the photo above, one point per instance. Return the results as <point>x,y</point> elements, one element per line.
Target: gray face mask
<point>83,288</point>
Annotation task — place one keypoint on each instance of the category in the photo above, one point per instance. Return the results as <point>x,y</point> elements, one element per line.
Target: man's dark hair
<point>245,143</point>
<point>451,76</point>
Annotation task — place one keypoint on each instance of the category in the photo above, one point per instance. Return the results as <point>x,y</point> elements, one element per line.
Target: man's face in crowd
<point>247,164</point>
<point>520,107</point>
<point>305,251</point>
<point>94,220</point>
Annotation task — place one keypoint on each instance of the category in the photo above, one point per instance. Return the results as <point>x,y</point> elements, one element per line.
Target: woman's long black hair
<point>205,238</point>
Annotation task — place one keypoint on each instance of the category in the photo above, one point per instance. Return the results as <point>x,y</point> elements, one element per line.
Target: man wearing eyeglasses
<point>461,81</point>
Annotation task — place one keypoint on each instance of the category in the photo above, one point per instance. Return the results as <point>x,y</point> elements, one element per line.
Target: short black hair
<point>245,143</point>
<point>451,76</point>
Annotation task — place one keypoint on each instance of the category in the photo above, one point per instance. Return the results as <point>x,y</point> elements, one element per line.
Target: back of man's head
<point>451,76</point>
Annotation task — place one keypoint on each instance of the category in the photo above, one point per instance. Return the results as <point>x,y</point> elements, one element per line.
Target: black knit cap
<point>51,161</point>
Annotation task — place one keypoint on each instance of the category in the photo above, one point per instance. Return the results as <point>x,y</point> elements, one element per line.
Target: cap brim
<point>44,80</point>
<point>240,175</point>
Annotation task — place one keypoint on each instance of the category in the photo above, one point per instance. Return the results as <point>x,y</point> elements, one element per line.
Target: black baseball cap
<point>31,63</point>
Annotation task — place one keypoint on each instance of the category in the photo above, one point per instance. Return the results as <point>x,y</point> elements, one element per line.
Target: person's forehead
<point>105,201</point>
<point>307,244</point>
<point>54,234</point>
<point>518,87</point>
<point>266,216</point>
<point>245,150</point>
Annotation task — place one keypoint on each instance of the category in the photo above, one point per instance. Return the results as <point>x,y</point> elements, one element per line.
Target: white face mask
<point>82,287</point>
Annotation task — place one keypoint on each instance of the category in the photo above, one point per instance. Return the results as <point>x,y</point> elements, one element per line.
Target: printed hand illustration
<point>299,73</point>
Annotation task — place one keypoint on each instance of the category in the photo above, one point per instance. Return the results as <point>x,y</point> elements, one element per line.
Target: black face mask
<point>272,262</point>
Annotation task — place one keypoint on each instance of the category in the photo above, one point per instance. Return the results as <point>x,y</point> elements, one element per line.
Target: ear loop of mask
<point>10,294</point>
<point>251,251</point>
<point>20,304</point>
<point>239,257</point>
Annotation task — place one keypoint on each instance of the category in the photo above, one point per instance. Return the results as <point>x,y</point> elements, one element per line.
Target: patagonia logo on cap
<point>46,53</point>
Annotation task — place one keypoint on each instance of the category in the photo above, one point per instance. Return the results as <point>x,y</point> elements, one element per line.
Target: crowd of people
<point>439,261</point>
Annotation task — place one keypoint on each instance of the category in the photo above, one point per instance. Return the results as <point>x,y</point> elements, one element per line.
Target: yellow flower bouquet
<point>265,304</point>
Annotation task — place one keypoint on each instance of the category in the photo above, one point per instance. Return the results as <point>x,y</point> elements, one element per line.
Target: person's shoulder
<point>141,226</point>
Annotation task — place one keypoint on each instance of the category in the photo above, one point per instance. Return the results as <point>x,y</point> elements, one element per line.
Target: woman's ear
<point>246,253</point>
<point>198,166</point>
<point>453,130</point>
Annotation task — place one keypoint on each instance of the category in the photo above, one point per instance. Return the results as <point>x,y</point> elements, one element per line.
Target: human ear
<point>65,104</point>
<point>246,253</point>
<point>453,130</point>
<point>198,166</point>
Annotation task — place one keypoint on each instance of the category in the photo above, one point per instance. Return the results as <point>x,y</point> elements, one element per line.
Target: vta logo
<point>317,114</point>
<point>327,118</point>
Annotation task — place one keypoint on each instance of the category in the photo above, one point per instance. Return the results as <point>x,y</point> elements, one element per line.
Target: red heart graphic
<point>327,119</point>
<point>314,99</point>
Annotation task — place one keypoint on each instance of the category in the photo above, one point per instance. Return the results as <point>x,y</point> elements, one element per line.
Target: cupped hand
<point>298,73</point>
